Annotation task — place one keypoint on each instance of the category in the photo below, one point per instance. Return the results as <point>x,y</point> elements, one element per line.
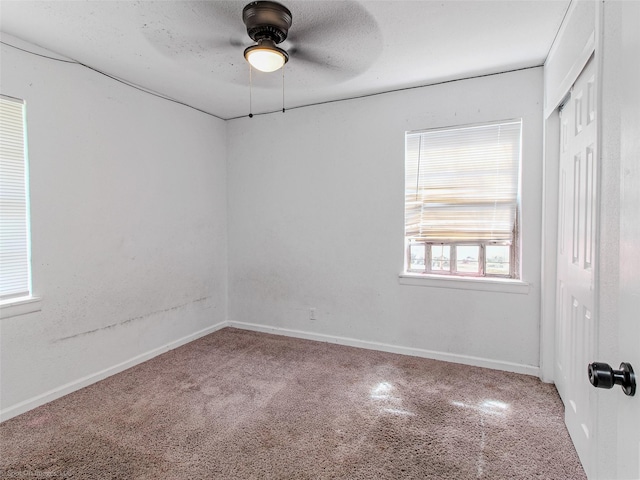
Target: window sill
<point>20,306</point>
<point>465,283</point>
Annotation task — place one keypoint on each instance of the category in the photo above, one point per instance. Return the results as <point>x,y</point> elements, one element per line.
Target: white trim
<point>554,94</point>
<point>549,244</point>
<point>385,347</point>
<point>22,407</point>
<point>483,284</point>
<point>20,306</point>
<point>571,77</point>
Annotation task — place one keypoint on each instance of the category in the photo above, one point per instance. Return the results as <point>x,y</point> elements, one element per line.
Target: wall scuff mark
<point>133,319</point>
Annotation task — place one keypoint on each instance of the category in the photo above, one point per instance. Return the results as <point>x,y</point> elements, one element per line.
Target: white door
<point>576,323</point>
<point>628,408</point>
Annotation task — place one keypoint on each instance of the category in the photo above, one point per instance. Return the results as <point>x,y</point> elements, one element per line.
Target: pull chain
<point>250,92</point>
<point>283,89</point>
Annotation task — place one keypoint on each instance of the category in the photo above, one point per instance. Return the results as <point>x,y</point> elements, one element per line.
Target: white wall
<point>316,220</point>
<point>128,205</point>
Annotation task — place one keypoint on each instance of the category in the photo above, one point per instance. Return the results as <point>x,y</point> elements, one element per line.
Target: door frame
<point>576,43</point>
<point>562,69</point>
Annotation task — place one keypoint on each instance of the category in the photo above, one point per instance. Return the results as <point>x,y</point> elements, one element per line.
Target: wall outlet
<point>312,314</point>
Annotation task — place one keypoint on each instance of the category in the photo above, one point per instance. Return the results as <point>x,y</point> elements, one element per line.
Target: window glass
<point>498,261</point>
<point>417,256</point>
<point>468,259</point>
<point>440,258</point>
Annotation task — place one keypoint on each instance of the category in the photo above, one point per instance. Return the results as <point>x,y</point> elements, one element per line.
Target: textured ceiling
<point>191,51</point>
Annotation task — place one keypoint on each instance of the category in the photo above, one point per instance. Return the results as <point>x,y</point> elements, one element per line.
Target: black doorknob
<point>601,375</point>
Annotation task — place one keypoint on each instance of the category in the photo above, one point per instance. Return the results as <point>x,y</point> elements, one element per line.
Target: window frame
<point>514,244</point>
<point>24,302</point>
<point>453,270</point>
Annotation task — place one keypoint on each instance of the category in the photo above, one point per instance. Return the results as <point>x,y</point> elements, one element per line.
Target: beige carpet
<point>245,405</point>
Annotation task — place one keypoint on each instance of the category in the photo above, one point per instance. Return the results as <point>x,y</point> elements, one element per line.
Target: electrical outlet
<point>312,314</point>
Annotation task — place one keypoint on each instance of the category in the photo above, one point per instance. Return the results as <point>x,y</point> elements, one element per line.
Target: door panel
<point>576,326</point>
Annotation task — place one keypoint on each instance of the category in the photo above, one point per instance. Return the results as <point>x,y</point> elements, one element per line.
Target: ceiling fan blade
<point>192,27</point>
<point>318,20</point>
<point>320,59</point>
<point>317,65</point>
<point>238,42</point>
<point>317,37</point>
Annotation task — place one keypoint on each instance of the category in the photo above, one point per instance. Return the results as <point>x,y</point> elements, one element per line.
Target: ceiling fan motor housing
<point>267,20</point>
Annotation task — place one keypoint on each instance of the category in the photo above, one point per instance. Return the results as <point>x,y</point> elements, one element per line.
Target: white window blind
<point>14,228</point>
<point>461,184</point>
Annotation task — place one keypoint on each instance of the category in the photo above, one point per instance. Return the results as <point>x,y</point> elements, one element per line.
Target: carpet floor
<point>244,405</point>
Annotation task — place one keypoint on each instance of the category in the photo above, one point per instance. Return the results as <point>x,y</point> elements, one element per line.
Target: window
<point>15,281</point>
<point>462,200</point>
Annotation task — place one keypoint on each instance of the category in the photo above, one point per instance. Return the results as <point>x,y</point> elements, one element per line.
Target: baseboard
<point>22,407</point>
<point>385,347</point>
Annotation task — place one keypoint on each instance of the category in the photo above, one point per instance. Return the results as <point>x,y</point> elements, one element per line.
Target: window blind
<point>461,184</point>
<point>14,232</point>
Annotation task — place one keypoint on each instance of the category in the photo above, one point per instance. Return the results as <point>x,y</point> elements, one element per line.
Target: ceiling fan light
<point>265,57</point>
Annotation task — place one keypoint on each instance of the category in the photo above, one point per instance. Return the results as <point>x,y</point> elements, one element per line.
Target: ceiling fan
<point>329,41</point>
